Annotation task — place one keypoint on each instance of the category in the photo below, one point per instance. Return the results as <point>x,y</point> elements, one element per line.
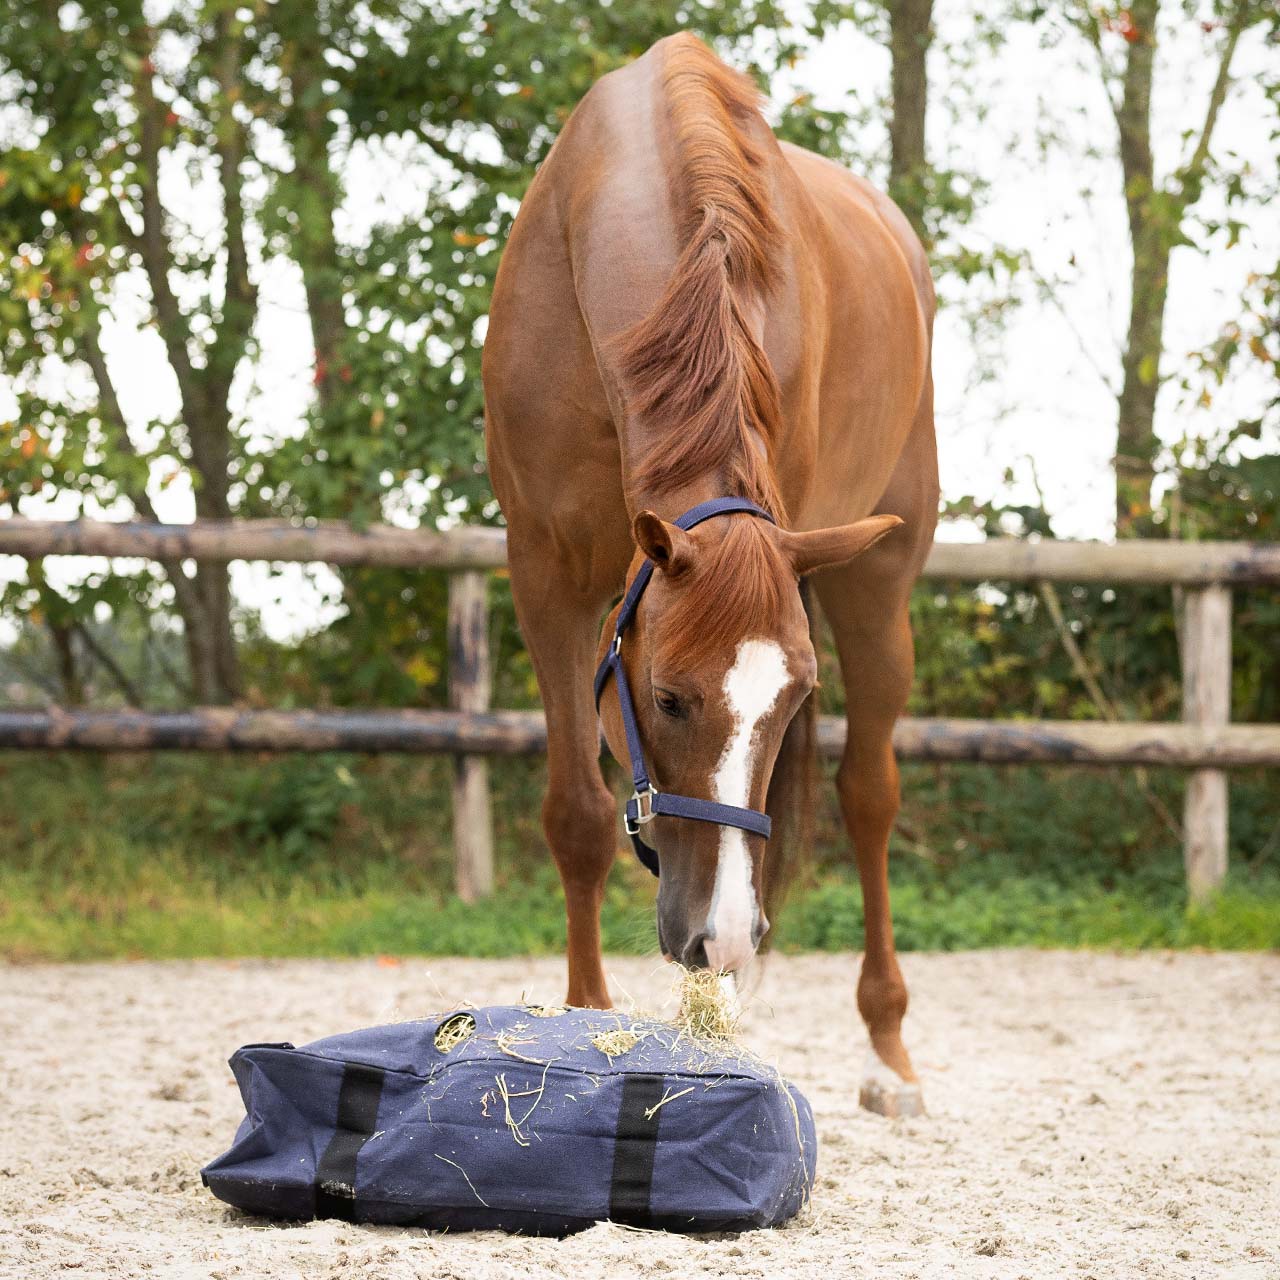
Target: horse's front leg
<point>561,627</point>
<point>865,602</point>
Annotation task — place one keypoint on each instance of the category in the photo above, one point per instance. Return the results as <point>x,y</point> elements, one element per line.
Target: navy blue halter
<point>646,801</point>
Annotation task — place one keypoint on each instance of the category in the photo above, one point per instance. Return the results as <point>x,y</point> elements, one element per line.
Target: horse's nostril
<point>694,955</point>
<point>758,930</point>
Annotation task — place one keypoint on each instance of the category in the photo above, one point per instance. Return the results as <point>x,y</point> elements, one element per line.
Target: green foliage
<point>1247,344</point>
<point>272,114</point>
<point>121,120</point>
<point>172,856</point>
<point>1032,913</point>
<point>287,808</point>
<point>998,651</point>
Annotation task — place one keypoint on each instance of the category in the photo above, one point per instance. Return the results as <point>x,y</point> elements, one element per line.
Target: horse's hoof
<point>886,1093</point>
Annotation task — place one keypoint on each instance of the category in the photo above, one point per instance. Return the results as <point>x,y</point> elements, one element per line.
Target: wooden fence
<point>1205,743</point>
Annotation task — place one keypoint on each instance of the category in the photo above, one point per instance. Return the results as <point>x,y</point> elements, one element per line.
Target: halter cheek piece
<point>646,801</point>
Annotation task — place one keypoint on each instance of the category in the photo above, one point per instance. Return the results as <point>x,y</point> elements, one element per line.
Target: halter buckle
<point>643,814</point>
<point>617,642</point>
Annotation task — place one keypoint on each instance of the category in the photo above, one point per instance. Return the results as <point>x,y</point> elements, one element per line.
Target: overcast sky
<point>1049,410</point>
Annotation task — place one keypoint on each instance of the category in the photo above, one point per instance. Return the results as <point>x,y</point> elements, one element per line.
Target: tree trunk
<point>1151,240</point>
<point>910,33</point>
<point>205,599</point>
<point>315,194</point>
<point>198,634</point>
<point>1136,441</point>
<point>1155,221</point>
<point>68,668</point>
<point>211,457</point>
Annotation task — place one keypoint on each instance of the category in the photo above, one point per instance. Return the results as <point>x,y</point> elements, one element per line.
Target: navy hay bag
<point>524,1119</point>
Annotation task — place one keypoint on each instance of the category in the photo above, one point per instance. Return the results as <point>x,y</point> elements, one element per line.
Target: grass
<point>176,857</point>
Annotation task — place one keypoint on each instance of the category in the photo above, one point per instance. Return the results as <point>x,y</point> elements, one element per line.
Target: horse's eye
<point>668,703</point>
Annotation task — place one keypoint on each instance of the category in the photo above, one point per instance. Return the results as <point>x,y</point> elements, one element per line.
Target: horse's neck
<point>669,502</point>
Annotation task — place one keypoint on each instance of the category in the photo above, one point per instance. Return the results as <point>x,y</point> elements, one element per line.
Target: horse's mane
<point>736,588</point>
<point>692,368</point>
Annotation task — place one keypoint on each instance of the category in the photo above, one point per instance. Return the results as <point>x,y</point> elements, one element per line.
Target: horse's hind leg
<point>561,626</point>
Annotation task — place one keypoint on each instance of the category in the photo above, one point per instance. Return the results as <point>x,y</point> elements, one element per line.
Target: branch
<point>109,402</point>
<point>240,305</point>
<point>1049,594</point>
<point>55,609</point>
<point>315,198</point>
<point>1193,171</point>
<point>1133,117</point>
<point>188,598</point>
<point>1093,33</point>
<point>437,138</point>
<point>157,257</point>
<point>156,651</point>
<point>108,664</point>
<point>31,671</point>
<point>1050,292</point>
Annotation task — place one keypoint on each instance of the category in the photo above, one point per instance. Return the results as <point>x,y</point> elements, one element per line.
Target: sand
<point>1089,1115</point>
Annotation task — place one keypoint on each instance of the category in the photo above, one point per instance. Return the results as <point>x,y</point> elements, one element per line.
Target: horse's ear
<point>821,548</point>
<point>667,545</point>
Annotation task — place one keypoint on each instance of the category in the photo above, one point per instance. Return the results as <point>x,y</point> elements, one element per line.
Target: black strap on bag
<point>635,1146</point>
<point>358,1099</point>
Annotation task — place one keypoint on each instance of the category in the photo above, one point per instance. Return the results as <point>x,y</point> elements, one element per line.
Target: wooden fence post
<point>1206,702</point>
<point>470,689</point>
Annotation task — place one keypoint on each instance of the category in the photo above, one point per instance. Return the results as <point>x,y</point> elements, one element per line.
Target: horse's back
<point>871,320</point>
<point>590,240</point>
<point>847,329</point>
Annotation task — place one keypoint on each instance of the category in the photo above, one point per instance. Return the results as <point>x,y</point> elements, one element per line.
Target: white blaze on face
<point>751,687</point>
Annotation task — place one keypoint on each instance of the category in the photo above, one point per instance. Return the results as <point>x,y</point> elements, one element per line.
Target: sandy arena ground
<point>1090,1115</point>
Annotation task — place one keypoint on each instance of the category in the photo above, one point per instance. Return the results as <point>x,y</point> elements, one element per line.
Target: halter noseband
<point>647,802</point>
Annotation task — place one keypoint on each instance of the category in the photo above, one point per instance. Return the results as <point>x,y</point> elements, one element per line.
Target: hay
<point>618,1041</point>
<point>453,1031</point>
<point>506,1042</point>
<point>545,1010</point>
<point>506,1093</point>
<point>667,1096</point>
<point>708,1005</point>
<point>466,1175</point>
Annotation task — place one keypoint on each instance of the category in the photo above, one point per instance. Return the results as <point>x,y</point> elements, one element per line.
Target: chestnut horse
<point>687,310</point>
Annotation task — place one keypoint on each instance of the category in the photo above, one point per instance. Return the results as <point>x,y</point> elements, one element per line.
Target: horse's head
<point>719,659</point>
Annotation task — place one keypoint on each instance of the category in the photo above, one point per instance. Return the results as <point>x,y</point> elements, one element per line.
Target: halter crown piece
<point>647,802</point>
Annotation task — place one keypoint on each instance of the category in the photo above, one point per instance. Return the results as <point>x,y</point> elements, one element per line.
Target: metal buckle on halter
<point>617,643</point>
<point>643,815</point>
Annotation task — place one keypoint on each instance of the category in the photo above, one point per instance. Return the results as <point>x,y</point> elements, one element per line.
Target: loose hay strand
<point>506,1093</point>
<point>462,1171</point>
<point>668,1096</point>
<point>505,1042</point>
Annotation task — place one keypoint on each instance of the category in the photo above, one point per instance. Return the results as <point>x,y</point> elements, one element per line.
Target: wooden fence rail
<point>474,547</point>
<point>524,733</point>
<point>1206,743</point>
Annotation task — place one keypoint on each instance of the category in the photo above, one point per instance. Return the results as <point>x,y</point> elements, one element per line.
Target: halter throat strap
<point>647,802</point>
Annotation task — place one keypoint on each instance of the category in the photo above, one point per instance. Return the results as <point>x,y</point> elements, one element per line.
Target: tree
<point>910,35</point>
<point>1158,208</point>
<point>129,126</point>
<point>176,161</point>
